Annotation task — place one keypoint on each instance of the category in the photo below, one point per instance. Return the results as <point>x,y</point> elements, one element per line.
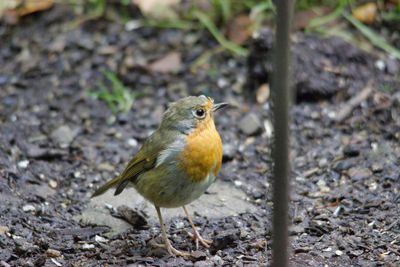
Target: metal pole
<point>281,82</point>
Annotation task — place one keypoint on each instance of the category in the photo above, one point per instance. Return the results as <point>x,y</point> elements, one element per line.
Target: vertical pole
<point>281,82</point>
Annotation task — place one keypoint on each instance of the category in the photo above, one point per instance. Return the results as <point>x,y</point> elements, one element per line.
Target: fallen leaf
<point>11,10</point>
<point>171,62</point>
<point>301,19</point>
<point>158,9</point>
<point>366,13</point>
<point>239,29</point>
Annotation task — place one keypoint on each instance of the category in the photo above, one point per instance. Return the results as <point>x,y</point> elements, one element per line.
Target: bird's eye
<point>200,113</point>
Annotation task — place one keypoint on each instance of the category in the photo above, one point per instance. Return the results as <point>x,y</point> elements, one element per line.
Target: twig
<point>392,225</point>
<point>354,102</point>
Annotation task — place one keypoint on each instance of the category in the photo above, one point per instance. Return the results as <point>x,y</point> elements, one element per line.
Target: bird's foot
<point>198,239</point>
<point>171,250</point>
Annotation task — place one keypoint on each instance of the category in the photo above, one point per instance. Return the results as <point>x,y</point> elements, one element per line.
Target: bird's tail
<point>106,186</point>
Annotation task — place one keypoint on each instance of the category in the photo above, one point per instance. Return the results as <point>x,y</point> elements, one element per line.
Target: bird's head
<point>190,113</point>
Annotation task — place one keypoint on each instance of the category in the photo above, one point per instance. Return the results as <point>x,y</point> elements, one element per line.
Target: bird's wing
<point>144,160</point>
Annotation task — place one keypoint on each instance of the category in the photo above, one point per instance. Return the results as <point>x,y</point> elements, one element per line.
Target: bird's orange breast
<point>202,154</point>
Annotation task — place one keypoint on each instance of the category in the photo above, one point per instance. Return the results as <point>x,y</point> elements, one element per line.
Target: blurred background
<point>83,83</point>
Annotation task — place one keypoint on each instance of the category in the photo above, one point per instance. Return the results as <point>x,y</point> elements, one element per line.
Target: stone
<point>198,255</point>
<point>351,151</point>
<point>63,135</point>
<point>134,217</point>
<point>52,253</point>
<point>105,166</point>
<point>250,124</point>
<point>377,167</point>
<point>343,165</point>
<point>359,173</point>
<point>87,246</point>
<point>23,164</point>
<point>53,184</point>
<point>222,200</point>
<point>339,252</point>
<point>4,229</point>
<point>392,66</point>
<point>230,150</point>
<point>203,264</point>
<point>28,208</point>
<point>262,93</point>
<point>296,230</point>
<point>225,239</point>
<point>100,239</point>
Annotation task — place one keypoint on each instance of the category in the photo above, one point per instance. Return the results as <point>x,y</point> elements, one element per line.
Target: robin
<point>177,163</point>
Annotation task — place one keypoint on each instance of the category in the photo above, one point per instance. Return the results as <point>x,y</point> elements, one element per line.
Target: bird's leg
<point>196,236</point>
<point>167,244</point>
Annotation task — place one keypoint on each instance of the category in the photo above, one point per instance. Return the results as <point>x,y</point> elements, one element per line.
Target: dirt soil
<point>58,143</point>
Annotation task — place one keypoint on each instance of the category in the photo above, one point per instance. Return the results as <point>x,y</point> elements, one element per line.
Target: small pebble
<point>56,262</point>
<point>339,252</point>
<point>351,151</point>
<point>359,173</point>
<point>203,264</point>
<point>53,184</point>
<point>222,83</point>
<point>199,255</point>
<point>373,186</point>
<point>132,142</point>
<point>322,162</point>
<point>52,253</point>
<point>230,151</point>
<point>250,124</point>
<point>237,183</point>
<point>28,208</point>
<point>4,264</point>
<point>377,167</point>
<point>23,164</point>
<point>217,260</point>
<point>64,135</point>
<point>100,239</point>
<point>133,25</point>
<point>4,229</point>
<point>179,225</point>
<point>105,167</point>
<point>269,128</point>
<point>392,66</point>
<point>380,64</point>
<point>343,165</point>
<point>262,93</point>
<point>88,246</point>
<point>337,211</point>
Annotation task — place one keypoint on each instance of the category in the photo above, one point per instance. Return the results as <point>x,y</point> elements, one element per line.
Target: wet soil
<point>58,143</point>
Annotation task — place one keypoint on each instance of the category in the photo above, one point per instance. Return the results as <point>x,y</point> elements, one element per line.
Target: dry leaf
<point>171,62</point>
<point>11,10</point>
<point>366,13</point>
<point>239,29</point>
<point>158,9</point>
<point>302,19</point>
<point>32,6</point>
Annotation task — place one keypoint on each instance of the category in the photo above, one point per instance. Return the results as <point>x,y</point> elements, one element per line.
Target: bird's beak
<point>219,106</point>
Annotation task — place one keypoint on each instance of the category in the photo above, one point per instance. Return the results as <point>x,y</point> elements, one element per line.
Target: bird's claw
<point>171,250</point>
<point>198,239</point>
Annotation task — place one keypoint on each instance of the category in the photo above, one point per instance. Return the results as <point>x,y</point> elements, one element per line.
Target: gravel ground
<point>58,143</point>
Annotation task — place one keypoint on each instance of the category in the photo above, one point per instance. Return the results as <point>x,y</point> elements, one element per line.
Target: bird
<point>177,162</point>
